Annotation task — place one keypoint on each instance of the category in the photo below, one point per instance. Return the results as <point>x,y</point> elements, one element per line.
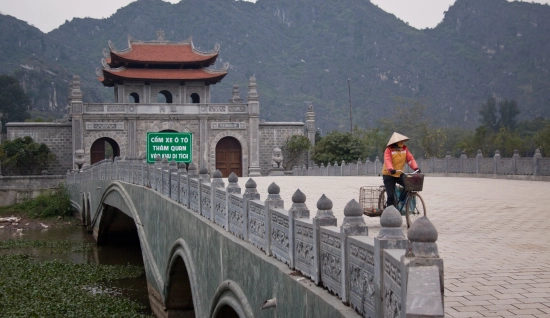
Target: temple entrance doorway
<point>104,148</point>
<point>228,157</point>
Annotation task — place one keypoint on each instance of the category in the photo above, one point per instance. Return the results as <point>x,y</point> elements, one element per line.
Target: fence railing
<point>370,274</point>
<point>516,165</point>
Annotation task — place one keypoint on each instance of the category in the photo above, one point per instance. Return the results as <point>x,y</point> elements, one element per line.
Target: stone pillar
<point>324,217</point>
<point>217,181</point>
<point>76,109</point>
<point>536,162</point>
<point>172,168</point>
<point>479,155</point>
<point>496,159</point>
<point>203,140</point>
<point>236,98</point>
<point>353,224</point>
<point>273,201</point>
<point>233,186</point>
<point>298,210</point>
<point>203,175</point>
<point>253,129</point>
<point>377,166</point>
<point>250,193</point>
<point>462,157</point>
<point>422,279</point>
<point>132,139</point>
<point>447,157</point>
<point>515,158</point>
<point>390,237</point>
<point>310,129</point>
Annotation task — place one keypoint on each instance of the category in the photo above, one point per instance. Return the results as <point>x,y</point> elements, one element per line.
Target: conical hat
<point>397,137</point>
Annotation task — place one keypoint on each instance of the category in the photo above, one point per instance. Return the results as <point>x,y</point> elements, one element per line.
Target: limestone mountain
<point>306,50</point>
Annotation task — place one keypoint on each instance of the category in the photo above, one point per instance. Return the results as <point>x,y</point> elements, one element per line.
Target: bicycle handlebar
<point>403,172</point>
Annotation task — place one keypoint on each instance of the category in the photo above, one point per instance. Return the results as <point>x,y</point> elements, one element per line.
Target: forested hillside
<point>306,50</point>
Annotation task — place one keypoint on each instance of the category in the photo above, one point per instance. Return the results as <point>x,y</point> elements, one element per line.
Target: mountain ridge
<point>306,51</point>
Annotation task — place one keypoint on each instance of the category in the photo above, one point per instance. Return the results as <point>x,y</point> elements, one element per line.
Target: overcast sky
<point>50,14</point>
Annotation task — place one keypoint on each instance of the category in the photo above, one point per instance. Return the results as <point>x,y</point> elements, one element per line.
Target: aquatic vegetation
<point>32,288</point>
<point>61,246</point>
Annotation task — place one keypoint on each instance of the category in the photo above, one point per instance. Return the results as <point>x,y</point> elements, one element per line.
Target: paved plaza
<point>494,237</point>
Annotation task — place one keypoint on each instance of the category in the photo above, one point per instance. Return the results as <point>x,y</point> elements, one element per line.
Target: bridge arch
<point>181,287</point>
<point>116,196</point>
<point>244,150</point>
<point>230,301</point>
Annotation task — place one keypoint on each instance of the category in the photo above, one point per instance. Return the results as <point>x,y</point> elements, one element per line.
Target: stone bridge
<point>210,251</point>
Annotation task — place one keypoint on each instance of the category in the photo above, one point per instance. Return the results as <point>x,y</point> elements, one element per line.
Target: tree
<point>14,103</point>
<point>25,156</point>
<point>294,148</point>
<point>433,142</point>
<point>508,112</point>
<point>338,146</point>
<point>489,116</point>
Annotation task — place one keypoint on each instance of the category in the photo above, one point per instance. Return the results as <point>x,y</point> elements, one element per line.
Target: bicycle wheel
<point>414,208</point>
<point>382,200</point>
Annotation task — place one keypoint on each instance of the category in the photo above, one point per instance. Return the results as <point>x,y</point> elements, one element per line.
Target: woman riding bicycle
<point>395,157</point>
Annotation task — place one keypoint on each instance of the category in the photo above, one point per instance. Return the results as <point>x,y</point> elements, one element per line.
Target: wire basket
<point>368,199</point>
<point>414,182</point>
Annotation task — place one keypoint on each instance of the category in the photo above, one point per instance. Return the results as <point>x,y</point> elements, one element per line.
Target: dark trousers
<point>389,183</point>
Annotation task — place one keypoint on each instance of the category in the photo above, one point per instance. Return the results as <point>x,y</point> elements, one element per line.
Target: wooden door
<point>97,152</point>
<point>228,157</point>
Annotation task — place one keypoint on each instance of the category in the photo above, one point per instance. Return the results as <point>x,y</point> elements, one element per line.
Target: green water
<point>60,252</point>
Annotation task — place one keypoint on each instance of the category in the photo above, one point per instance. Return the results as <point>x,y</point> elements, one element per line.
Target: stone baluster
<point>390,237</point>
<point>162,186</point>
<point>447,157</point>
<point>479,156</point>
<point>536,158</point>
<point>496,160</point>
<point>250,193</point>
<point>192,171</point>
<point>173,180</point>
<point>462,157</point>
<point>194,188</point>
<point>515,158</point>
<point>273,201</point>
<point>377,166</point>
<point>233,185</point>
<point>219,200</point>
<point>298,210</point>
<point>353,225</point>
<point>183,185</point>
<point>423,284</point>
<point>156,166</point>
<point>323,217</point>
<point>203,175</point>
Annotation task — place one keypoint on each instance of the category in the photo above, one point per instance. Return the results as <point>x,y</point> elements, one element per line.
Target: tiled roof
<point>162,74</point>
<point>163,53</point>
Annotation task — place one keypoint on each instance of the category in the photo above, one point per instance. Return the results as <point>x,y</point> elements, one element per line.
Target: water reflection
<point>112,254</point>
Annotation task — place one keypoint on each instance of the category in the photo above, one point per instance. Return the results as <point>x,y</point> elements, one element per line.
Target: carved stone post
<point>298,210</point>
<point>496,159</point>
<point>273,201</point>
<point>422,282</point>
<point>377,166</point>
<point>479,156</point>
<point>310,128</point>
<point>236,98</point>
<point>536,161</point>
<point>75,113</point>
<point>447,157</point>
<point>354,224</point>
<point>172,168</point>
<point>254,128</point>
<point>217,182</point>
<point>250,193</point>
<point>515,158</point>
<point>233,186</point>
<point>390,237</point>
<point>324,217</point>
<point>462,157</point>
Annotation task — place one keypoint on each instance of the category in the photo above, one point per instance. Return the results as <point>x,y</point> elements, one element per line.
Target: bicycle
<point>373,199</point>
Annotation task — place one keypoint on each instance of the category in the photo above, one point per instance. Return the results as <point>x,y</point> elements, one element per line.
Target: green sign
<point>170,145</point>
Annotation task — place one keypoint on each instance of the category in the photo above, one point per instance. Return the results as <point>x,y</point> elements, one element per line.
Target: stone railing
<point>383,276</point>
<point>163,108</point>
<point>533,166</point>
